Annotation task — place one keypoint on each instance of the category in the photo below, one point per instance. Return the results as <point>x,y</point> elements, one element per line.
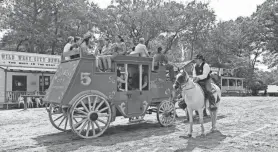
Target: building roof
<point>29,69</point>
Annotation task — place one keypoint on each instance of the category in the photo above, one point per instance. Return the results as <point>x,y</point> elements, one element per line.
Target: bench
<point>32,96</point>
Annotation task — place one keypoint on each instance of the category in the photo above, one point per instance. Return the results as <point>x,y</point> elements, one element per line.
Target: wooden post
<point>126,79</point>
<point>140,77</point>
<point>5,89</point>
<point>25,102</point>
<point>42,82</point>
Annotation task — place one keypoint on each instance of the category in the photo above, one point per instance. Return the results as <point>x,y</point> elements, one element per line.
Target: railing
<point>12,96</point>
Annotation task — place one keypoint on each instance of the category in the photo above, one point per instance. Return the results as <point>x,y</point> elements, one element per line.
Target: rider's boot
<point>205,112</point>
<point>212,102</point>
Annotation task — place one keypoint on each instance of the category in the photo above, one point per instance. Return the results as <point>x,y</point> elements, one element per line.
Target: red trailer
<point>86,101</point>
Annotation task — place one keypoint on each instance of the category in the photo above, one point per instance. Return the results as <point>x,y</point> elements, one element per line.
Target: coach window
<point>144,77</point>
<point>121,77</point>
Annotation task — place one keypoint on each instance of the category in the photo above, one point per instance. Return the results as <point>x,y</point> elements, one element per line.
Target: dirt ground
<point>244,124</point>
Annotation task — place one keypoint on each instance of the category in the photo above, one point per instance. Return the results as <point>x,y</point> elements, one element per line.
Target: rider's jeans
<point>208,93</point>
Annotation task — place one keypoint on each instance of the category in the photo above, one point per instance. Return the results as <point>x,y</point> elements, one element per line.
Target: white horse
<point>194,97</point>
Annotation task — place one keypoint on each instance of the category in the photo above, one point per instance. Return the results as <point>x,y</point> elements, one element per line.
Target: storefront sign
<point>11,58</point>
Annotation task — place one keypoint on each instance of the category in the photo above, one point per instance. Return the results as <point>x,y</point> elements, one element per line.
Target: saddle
<point>213,89</point>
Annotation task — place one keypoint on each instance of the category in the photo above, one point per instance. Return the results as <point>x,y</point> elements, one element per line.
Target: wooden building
<point>25,73</point>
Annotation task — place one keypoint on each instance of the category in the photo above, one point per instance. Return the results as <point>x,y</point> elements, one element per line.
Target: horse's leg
<point>190,112</point>
<point>214,120</point>
<point>212,117</point>
<point>187,114</point>
<point>201,120</point>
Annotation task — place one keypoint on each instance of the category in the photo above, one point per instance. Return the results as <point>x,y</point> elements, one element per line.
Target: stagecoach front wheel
<point>90,115</point>
<point>58,117</point>
<point>166,113</point>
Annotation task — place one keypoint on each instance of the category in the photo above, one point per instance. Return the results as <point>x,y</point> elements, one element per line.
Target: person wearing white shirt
<point>201,75</point>
<point>67,46</point>
<point>140,49</point>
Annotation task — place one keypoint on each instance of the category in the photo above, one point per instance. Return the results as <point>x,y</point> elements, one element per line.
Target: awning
<point>28,69</point>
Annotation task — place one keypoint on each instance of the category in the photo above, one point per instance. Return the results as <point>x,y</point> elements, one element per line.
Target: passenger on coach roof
<point>119,47</point>
<point>68,45</point>
<point>161,59</point>
<point>141,49</point>
<point>84,47</point>
<point>105,56</point>
<point>76,43</point>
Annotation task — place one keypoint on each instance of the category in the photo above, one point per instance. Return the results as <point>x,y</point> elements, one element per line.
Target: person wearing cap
<point>201,75</point>
<point>140,49</point>
<point>68,46</point>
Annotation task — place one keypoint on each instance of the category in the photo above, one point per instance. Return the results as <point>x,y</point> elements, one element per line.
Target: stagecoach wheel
<point>90,116</point>
<point>166,113</point>
<point>59,117</point>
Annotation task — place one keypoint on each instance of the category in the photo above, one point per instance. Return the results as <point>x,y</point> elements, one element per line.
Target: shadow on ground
<point>112,136</point>
<point>196,119</point>
<point>209,142</point>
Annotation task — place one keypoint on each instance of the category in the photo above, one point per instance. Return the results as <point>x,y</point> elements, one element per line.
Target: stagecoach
<point>86,101</point>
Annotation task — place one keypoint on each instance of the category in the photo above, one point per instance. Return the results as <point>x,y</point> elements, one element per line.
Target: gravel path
<point>244,124</point>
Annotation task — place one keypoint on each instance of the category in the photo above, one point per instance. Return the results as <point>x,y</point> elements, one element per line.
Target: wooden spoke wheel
<point>166,113</point>
<point>90,115</point>
<point>58,117</point>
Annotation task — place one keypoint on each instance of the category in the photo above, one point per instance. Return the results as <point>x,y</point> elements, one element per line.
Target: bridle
<point>181,85</point>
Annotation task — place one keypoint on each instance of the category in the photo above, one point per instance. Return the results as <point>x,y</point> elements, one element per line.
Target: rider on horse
<point>201,75</point>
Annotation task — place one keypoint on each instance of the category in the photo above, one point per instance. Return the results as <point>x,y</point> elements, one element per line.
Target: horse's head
<point>181,79</point>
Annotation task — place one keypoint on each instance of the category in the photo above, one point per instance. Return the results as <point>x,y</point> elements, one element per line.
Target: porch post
<point>140,77</point>
<point>221,82</point>
<point>228,83</point>
<point>42,82</point>
<point>126,79</point>
<point>5,88</point>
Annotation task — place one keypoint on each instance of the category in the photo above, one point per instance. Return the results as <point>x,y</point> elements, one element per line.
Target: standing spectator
<point>68,45</point>
<point>141,49</point>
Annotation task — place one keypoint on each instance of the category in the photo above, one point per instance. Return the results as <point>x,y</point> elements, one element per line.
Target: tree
<point>267,18</point>
<point>43,24</point>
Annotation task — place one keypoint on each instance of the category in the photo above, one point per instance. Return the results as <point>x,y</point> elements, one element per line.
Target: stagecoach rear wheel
<point>58,117</point>
<point>90,115</point>
<point>166,113</point>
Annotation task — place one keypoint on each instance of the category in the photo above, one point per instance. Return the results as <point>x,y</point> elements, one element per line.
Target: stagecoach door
<point>135,95</point>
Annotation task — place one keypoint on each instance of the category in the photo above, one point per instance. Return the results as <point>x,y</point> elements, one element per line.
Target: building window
<point>44,85</point>
<point>224,82</point>
<point>232,82</point>
<point>19,83</point>
<point>239,83</point>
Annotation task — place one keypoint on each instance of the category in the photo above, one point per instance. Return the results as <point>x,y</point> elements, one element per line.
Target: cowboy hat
<point>199,56</point>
